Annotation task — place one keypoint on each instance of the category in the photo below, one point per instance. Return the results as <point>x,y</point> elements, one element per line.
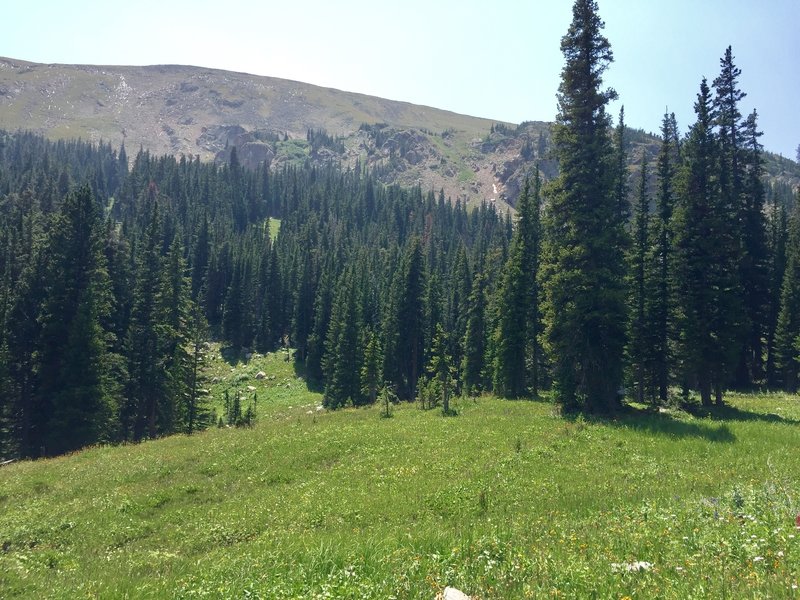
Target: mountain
<point>169,109</point>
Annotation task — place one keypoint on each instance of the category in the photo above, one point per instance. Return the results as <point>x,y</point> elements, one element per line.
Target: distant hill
<point>170,109</point>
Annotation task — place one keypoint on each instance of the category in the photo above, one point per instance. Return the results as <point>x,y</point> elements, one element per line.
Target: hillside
<point>169,109</point>
<point>197,111</point>
<point>505,500</point>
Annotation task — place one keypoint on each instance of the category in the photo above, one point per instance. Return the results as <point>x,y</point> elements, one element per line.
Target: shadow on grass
<point>647,421</point>
<point>233,357</point>
<point>732,413</point>
<point>300,370</point>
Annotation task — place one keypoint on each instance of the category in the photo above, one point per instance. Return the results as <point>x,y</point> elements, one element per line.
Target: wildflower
<point>632,567</point>
<point>758,559</point>
<point>780,553</point>
<point>797,522</point>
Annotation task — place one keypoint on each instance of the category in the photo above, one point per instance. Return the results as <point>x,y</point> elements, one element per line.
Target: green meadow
<point>505,500</point>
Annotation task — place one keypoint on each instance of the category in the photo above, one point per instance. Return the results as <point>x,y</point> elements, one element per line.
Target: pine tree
<point>754,264</point>
<point>583,280</point>
<point>441,369</point>
<point>196,415</point>
<point>706,265</point>
<point>788,326</point>
<point>371,368</point>
<point>658,287</point>
<point>637,335</point>
<point>475,338</point>
<point>233,314</point>
<point>621,168</point>
<point>147,384</point>
<point>200,256</point>
<point>74,351</point>
<point>342,361</point>
<point>28,410</point>
<point>778,235</point>
<point>516,340</point>
<point>405,323</point>
<point>174,313</point>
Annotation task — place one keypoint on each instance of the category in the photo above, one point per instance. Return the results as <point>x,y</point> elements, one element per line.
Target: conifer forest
<point>657,282</point>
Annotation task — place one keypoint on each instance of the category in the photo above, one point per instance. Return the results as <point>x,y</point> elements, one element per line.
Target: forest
<point>599,290</point>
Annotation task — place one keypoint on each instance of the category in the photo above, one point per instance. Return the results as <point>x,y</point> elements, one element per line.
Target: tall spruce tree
<point>584,288</point>
<point>788,326</point>
<point>778,234</point>
<point>516,351</point>
<point>706,262</point>
<point>658,286</point>
<point>740,174</point>
<point>754,263</point>
<point>147,387</point>
<point>475,338</point>
<point>637,337</point>
<point>405,323</point>
<point>343,353</point>
<point>74,349</point>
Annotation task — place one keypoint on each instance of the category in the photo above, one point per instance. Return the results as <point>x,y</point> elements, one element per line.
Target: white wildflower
<point>631,567</point>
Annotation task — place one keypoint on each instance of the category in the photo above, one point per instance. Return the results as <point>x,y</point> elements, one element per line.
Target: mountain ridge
<point>199,111</point>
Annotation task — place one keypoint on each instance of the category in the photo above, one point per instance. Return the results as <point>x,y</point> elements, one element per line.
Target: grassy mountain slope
<point>506,500</point>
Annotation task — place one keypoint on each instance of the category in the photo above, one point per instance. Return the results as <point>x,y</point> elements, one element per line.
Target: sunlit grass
<point>506,500</point>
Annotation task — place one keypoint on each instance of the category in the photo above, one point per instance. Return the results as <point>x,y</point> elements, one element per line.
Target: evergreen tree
<point>778,235</point>
<point>147,386</point>
<point>457,307</point>
<point>174,314</point>
<point>74,349</point>
<point>706,266</point>
<point>584,286</point>
<point>28,410</point>
<point>200,256</point>
<point>342,361</point>
<point>371,368</point>
<point>196,413</point>
<point>637,335</point>
<point>788,326</point>
<point>441,369</point>
<point>517,304</point>
<point>754,264</point>
<point>475,338</point>
<point>405,323</point>
<point>621,168</point>
<point>233,314</point>
<point>658,286</point>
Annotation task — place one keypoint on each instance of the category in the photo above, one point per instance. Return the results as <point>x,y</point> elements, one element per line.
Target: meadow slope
<point>505,500</point>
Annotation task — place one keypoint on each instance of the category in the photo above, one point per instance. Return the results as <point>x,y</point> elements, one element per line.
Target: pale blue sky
<point>498,59</point>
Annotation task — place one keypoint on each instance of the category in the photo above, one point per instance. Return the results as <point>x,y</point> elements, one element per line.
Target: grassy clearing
<point>506,500</point>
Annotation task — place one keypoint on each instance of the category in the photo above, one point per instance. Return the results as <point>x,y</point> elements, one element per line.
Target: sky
<point>498,59</point>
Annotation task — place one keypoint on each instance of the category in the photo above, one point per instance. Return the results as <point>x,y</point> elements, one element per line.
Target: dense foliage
<point>115,273</point>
